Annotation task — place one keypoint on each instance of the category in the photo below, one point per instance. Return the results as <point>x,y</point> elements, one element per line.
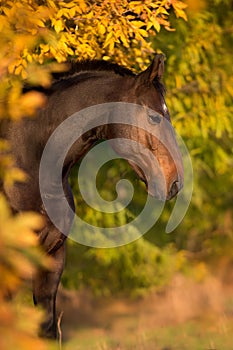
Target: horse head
<point>148,139</point>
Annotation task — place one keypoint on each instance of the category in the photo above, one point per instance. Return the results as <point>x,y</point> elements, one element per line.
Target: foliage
<point>19,256</point>
<point>200,98</point>
<point>35,33</point>
<point>85,29</point>
<point>22,254</point>
<point>18,244</point>
<point>132,269</point>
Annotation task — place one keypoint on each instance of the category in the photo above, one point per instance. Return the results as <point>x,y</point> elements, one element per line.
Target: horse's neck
<point>84,104</point>
<point>31,136</point>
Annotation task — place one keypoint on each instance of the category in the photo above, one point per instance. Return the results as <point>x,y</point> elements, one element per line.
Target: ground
<point>185,316</point>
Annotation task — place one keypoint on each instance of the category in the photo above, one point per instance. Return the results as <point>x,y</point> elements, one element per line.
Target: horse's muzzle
<point>156,192</point>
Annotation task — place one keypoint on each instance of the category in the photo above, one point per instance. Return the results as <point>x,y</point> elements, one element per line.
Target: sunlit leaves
<point>134,269</point>
<point>199,80</point>
<point>200,94</point>
<point>179,7</point>
<point>19,328</point>
<point>17,238</point>
<point>34,33</point>
<point>19,256</point>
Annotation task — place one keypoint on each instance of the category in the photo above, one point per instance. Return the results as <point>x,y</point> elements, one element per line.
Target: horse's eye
<point>154,118</point>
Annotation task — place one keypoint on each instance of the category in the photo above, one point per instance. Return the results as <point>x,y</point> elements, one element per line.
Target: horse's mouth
<point>155,192</point>
<point>154,189</point>
<point>161,194</point>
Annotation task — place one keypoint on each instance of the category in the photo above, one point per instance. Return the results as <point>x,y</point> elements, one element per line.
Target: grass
<point>192,335</point>
<point>187,316</point>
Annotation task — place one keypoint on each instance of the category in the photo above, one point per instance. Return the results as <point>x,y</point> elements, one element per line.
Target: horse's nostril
<point>174,189</point>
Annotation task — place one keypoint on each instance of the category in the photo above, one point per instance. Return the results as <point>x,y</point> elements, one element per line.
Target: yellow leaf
<point>101,29</point>
<point>11,68</point>
<point>24,74</point>
<point>14,174</point>
<point>156,24</point>
<point>108,39</point>
<point>29,58</point>
<point>58,26</point>
<point>149,25</point>
<point>18,70</point>
<point>72,12</point>
<point>143,32</point>
<point>69,51</point>
<point>89,15</point>
<point>181,13</point>
<point>32,221</point>
<point>83,6</point>
<point>124,40</point>
<point>32,99</point>
<point>137,24</point>
<point>178,8</point>
<point>38,22</point>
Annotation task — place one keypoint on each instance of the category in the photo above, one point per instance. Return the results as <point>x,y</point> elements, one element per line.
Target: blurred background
<point>163,291</point>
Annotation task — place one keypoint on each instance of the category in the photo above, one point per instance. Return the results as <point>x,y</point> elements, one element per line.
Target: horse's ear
<point>154,71</point>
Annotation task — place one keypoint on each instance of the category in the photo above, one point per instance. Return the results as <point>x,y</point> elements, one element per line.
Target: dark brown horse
<point>90,84</point>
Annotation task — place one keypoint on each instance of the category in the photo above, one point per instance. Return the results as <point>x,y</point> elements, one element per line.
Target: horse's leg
<point>45,285</point>
<point>46,282</point>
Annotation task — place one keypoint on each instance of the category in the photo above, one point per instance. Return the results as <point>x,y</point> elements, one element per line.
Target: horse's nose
<point>174,189</point>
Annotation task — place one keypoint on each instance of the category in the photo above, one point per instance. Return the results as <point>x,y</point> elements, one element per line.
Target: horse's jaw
<point>153,189</point>
<point>157,188</point>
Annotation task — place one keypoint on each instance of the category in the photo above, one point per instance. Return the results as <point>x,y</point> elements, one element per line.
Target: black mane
<point>91,65</point>
<point>72,76</point>
<point>159,86</point>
